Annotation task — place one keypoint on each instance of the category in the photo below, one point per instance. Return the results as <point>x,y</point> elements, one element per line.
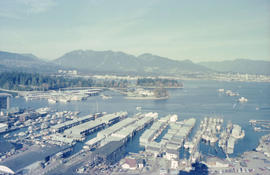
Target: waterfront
<point>198,99</point>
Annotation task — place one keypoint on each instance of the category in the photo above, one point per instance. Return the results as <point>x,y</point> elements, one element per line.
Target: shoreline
<point>146,98</point>
<point>154,87</point>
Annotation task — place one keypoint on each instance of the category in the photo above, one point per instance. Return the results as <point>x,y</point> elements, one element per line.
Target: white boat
<point>257,129</point>
<point>105,97</point>
<point>6,136</point>
<point>138,108</point>
<point>221,90</point>
<point>242,100</point>
<point>21,134</point>
<point>231,93</point>
<point>63,100</point>
<point>52,101</point>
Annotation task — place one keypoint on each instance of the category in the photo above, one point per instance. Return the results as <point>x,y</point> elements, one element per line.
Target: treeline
<point>158,82</point>
<point>111,83</point>
<point>161,92</point>
<point>34,81</point>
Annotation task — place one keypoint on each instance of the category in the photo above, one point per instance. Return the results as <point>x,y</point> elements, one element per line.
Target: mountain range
<point>90,61</point>
<point>109,61</point>
<point>24,62</point>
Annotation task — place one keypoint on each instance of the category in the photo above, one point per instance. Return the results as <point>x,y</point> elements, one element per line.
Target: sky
<point>199,30</point>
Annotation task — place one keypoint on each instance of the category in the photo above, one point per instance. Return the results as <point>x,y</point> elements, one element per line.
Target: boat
<point>138,108</point>
<point>105,97</point>
<point>242,100</point>
<point>6,136</point>
<point>221,90</point>
<point>52,101</point>
<point>21,134</point>
<point>63,100</point>
<point>231,93</point>
<point>257,129</point>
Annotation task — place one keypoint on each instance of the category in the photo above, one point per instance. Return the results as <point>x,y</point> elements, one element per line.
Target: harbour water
<point>197,99</point>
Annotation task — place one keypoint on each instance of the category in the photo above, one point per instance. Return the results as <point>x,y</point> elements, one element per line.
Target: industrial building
<point>96,141</point>
<point>78,132</point>
<point>154,147</point>
<point>171,141</point>
<point>122,131</point>
<point>113,143</point>
<point>172,151</point>
<point>59,139</point>
<point>110,153</point>
<point>154,131</point>
<point>68,124</point>
<point>116,127</point>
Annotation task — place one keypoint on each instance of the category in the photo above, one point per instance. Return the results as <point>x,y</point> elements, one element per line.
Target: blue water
<point>197,99</point>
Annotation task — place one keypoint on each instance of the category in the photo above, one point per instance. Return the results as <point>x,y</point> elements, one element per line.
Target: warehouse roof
<point>76,130</point>
<point>148,134</point>
<point>60,138</point>
<point>190,122</point>
<point>108,149</point>
<point>116,127</point>
<point>93,124</point>
<point>95,140</point>
<point>70,122</point>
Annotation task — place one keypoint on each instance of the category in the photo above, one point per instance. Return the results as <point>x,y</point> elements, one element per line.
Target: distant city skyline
<point>196,30</point>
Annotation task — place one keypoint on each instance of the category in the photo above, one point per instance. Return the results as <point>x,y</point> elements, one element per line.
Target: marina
<point>260,125</point>
<point>157,135</point>
<point>63,96</point>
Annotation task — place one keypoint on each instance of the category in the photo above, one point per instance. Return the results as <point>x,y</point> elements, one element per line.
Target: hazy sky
<point>200,30</point>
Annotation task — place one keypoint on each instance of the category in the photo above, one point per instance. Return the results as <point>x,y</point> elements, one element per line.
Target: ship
<point>242,100</point>
<point>105,97</point>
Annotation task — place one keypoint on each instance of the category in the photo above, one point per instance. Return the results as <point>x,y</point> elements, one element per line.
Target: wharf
<point>78,132</point>
<point>123,130</point>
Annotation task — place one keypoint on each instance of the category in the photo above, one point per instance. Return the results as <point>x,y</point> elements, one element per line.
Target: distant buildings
<point>68,72</point>
<point>4,101</point>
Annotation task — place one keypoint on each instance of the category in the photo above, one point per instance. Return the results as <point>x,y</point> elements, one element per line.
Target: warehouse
<point>78,132</point>
<point>68,124</point>
<point>110,153</point>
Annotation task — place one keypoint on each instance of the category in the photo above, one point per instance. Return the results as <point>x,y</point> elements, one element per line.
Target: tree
<point>160,92</point>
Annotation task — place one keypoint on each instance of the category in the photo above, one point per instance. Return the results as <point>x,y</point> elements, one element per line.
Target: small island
<point>152,89</point>
<point>144,94</point>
